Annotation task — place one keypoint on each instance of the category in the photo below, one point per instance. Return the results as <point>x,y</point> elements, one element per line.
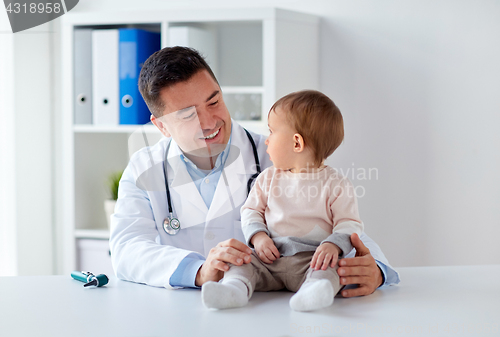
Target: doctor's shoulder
<point>260,142</point>
<point>148,156</point>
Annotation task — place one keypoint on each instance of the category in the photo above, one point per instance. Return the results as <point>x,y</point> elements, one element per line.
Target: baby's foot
<point>228,294</point>
<point>313,295</point>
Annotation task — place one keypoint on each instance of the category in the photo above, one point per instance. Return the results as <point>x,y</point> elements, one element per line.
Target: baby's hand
<point>265,248</point>
<point>326,255</point>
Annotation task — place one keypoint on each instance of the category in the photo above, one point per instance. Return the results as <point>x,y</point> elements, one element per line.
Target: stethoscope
<point>172,225</point>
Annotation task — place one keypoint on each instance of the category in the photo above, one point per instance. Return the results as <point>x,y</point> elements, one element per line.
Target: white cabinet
<point>93,255</point>
<point>258,55</point>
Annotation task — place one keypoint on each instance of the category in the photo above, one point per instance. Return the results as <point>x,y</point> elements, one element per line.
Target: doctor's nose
<point>267,141</point>
<point>206,119</point>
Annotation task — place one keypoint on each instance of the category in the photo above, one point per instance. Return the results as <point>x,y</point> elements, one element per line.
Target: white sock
<point>232,293</point>
<point>313,295</point>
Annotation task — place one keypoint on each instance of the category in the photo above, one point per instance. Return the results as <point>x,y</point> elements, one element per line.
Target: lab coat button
<point>209,236</point>
<point>207,180</point>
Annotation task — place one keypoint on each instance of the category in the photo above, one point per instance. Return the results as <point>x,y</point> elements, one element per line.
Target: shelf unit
<point>258,55</point>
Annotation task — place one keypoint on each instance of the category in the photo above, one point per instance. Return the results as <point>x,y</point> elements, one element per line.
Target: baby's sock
<point>232,293</point>
<point>313,295</point>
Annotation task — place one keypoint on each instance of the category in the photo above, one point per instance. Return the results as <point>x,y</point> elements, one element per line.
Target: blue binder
<point>135,47</point>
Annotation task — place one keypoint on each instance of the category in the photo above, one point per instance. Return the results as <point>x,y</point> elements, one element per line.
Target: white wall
<point>33,127</point>
<point>26,200</point>
<point>8,238</point>
<point>419,83</point>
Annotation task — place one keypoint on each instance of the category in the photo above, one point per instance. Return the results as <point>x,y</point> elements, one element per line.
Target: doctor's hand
<point>361,270</point>
<point>265,248</point>
<point>229,251</point>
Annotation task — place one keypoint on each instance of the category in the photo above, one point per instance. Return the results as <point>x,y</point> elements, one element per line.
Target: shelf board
<point>149,128</point>
<point>102,234</point>
<point>255,126</point>
<point>204,15</point>
<point>242,90</point>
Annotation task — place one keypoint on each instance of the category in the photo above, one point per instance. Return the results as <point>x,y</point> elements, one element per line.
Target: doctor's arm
<point>368,269</point>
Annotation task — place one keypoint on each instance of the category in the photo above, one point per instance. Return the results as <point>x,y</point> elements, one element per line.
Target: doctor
<point>177,218</point>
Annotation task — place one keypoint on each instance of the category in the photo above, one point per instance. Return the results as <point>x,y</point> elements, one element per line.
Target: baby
<point>299,215</point>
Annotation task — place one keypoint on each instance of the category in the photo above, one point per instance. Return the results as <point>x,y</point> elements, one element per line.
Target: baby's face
<point>280,143</point>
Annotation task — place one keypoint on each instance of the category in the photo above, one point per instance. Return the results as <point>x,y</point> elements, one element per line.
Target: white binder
<point>106,84</point>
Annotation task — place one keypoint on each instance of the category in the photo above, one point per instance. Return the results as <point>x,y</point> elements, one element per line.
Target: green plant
<point>113,182</point>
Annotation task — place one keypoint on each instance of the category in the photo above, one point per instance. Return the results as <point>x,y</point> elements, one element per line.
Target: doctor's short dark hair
<point>316,118</point>
<point>165,68</point>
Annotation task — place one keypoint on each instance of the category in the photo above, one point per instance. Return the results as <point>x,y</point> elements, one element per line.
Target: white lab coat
<point>142,252</point>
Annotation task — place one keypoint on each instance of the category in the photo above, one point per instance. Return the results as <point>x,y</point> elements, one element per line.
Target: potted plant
<point>109,204</point>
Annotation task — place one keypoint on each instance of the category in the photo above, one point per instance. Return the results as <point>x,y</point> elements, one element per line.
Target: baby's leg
<point>238,285</point>
<point>317,291</point>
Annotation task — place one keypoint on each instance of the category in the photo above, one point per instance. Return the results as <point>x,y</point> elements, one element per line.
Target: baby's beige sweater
<point>299,211</point>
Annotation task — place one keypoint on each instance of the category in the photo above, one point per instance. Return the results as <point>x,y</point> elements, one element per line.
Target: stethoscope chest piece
<point>171,225</point>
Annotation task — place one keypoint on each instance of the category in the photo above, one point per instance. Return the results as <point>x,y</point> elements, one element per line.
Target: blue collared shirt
<point>206,183</point>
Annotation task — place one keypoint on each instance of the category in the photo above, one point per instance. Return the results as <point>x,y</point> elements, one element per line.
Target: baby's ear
<point>298,143</point>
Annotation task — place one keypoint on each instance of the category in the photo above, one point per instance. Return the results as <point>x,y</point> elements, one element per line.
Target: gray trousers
<point>287,272</point>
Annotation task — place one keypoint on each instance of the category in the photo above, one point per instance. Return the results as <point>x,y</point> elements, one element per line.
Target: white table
<point>430,301</point>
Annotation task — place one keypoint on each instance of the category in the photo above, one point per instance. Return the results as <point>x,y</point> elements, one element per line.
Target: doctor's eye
<point>214,103</point>
<point>190,115</point>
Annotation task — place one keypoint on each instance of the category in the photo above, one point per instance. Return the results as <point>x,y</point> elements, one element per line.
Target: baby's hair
<point>316,118</point>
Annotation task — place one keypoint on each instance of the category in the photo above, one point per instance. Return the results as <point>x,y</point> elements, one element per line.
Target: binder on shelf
<point>105,77</point>
<point>83,76</point>
<point>135,47</point>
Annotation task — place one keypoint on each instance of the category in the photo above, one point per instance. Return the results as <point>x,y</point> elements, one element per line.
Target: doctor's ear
<point>160,125</point>
<point>298,143</point>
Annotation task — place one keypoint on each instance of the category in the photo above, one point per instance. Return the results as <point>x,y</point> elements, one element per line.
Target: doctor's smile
<point>212,136</point>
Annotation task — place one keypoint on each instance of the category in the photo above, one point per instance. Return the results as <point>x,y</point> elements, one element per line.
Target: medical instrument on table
<point>172,225</point>
<point>90,279</point>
